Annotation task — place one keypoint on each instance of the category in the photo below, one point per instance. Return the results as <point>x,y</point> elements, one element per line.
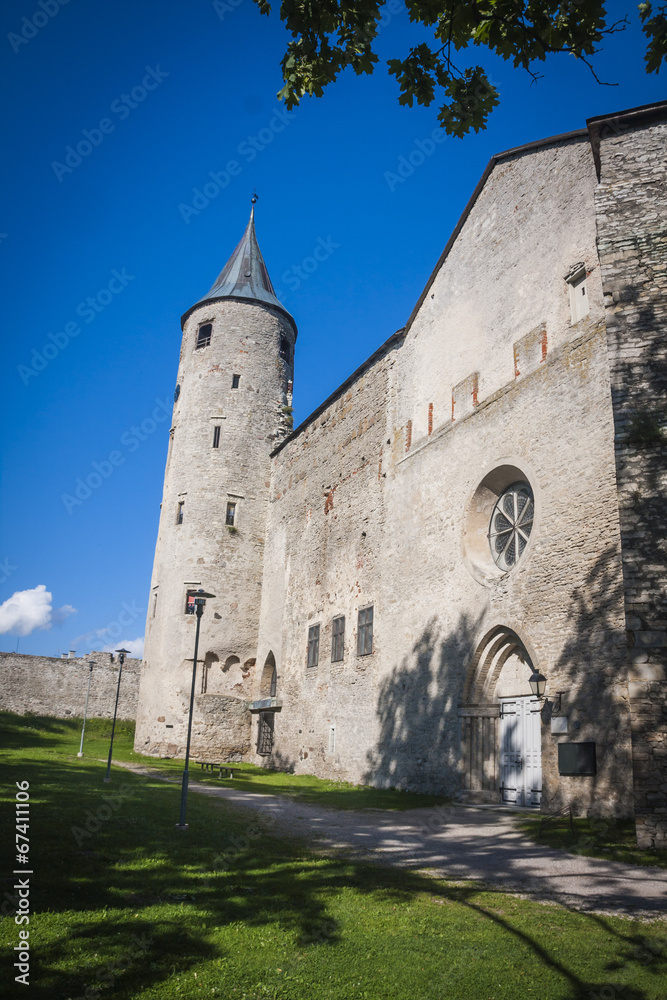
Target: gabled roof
<point>244,276</point>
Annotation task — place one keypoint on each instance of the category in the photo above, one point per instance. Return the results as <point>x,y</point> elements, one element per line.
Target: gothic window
<point>511,524</point>
<point>235,381</point>
<point>337,639</point>
<point>274,683</point>
<point>216,437</point>
<point>180,511</point>
<point>365,632</point>
<point>204,336</point>
<point>230,516</point>
<point>313,645</point>
<point>265,733</point>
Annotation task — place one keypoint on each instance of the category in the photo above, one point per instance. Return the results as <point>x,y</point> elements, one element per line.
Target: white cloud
<point>27,610</point>
<point>134,646</point>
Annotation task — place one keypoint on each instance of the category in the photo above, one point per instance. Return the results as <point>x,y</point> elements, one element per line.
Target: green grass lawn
<point>248,777</point>
<point>615,840</point>
<point>124,906</point>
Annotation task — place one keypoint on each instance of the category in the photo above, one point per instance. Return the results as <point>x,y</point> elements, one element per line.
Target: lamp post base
<point>183,827</point>
<point>79,755</point>
<point>106,780</point>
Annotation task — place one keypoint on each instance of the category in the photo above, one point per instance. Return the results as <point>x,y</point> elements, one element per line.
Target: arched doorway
<point>267,718</point>
<point>501,731</point>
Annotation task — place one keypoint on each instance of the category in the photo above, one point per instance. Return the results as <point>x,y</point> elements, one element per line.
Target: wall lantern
<point>538,683</point>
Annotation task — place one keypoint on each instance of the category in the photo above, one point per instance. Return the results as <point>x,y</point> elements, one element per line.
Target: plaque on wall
<point>576,758</point>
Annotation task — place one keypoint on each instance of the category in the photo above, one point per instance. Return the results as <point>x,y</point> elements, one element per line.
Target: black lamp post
<point>121,660</point>
<point>91,664</point>
<point>200,600</point>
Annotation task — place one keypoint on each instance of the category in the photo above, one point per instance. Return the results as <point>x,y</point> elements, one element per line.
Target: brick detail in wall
<point>464,396</point>
<point>530,350</point>
<point>632,245</point>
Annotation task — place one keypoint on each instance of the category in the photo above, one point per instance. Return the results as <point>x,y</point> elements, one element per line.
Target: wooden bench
<point>223,770</point>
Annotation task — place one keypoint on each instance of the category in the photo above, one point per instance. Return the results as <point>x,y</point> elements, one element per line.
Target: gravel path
<point>462,842</point>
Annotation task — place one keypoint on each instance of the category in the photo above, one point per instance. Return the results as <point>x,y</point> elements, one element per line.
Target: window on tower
<point>230,517</point>
<point>235,381</point>
<point>189,605</point>
<point>284,348</point>
<point>204,336</point>
<point>179,512</point>
<point>216,437</point>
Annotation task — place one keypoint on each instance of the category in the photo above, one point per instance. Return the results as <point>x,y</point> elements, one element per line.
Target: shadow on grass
<point>134,900</point>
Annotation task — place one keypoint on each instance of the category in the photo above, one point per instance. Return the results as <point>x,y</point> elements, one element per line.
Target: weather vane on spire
<point>254,196</point>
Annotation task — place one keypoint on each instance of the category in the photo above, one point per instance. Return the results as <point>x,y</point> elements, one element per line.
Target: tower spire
<point>245,275</point>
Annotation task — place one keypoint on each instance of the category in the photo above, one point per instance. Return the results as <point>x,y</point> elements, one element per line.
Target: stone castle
<point>477,511</point>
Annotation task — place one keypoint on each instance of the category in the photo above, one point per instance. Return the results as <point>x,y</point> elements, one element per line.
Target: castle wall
<point>632,238</point>
<point>377,501</point>
<point>48,685</point>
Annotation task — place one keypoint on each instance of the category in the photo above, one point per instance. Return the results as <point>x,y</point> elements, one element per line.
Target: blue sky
<point>101,257</point>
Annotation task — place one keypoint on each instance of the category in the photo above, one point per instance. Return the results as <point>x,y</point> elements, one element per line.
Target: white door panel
<point>520,751</point>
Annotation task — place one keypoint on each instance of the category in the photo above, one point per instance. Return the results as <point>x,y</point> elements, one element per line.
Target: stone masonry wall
<point>631,204</point>
<point>377,501</point>
<point>48,685</point>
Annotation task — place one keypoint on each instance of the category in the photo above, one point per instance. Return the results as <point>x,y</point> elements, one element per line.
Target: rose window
<point>511,525</point>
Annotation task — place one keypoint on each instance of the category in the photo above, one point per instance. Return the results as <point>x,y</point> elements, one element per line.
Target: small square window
<point>189,605</point>
<point>313,645</point>
<point>337,639</point>
<point>204,335</point>
<point>216,437</point>
<point>180,511</point>
<point>230,516</point>
<point>235,381</point>
<point>365,632</point>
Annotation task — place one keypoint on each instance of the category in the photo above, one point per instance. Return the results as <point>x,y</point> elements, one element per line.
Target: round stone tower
<point>232,404</point>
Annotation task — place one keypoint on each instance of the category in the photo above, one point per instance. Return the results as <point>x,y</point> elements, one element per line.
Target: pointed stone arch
<point>493,651</point>
<point>268,680</point>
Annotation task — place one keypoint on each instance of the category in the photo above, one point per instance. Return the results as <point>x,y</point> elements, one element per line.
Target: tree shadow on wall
<point>592,668</point>
<point>419,743</point>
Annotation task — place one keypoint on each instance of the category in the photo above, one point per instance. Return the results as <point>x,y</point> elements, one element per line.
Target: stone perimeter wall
<point>631,204</point>
<point>49,685</point>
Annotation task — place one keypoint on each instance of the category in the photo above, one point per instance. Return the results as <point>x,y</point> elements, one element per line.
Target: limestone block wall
<point>323,560</point>
<point>631,203</point>
<point>48,685</point>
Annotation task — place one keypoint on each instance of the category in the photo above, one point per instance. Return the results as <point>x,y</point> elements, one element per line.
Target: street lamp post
<point>121,660</point>
<point>200,600</point>
<point>91,664</point>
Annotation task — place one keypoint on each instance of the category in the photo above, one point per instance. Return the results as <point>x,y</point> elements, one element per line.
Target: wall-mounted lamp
<point>538,683</point>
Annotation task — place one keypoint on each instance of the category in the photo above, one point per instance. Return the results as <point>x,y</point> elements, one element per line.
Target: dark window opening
<point>189,605</point>
<point>365,632</point>
<point>179,512</point>
<point>235,381</point>
<point>204,335</point>
<point>230,516</point>
<point>216,437</point>
<point>313,645</point>
<point>265,733</point>
<point>154,604</point>
<point>274,683</point>
<point>337,639</point>
<point>177,392</point>
<point>284,348</point>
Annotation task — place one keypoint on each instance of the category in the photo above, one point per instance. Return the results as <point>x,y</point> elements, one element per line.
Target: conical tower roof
<point>244,276</point>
